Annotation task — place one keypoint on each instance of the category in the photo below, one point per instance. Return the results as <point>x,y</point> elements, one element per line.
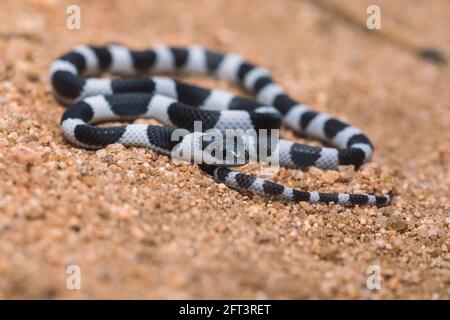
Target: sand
<point>140,226</point>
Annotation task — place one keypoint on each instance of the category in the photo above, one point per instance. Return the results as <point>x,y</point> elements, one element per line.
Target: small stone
<point>32,74</point>
<point>393,283</point>
<point>252,211</point>
<point>434,252</point>
<point>123,213</point>
<point>263,238</point>
<point>25,155</point>
<point>101,153</point>
<point>329,253</point>
<point>138,233</point>
<point>331,177</point>
<point>433,233</point>
<point>89,180</point>
<point>29,138</point>
<point>397,223</point>
<point>372,213</point>
<point>109,159</point>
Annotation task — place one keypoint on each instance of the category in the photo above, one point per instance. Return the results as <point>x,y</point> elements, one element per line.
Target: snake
<point>141,85</point>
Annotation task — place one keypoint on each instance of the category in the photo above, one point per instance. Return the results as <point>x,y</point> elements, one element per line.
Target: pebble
<point>397,223</point>
<point>29,138</point>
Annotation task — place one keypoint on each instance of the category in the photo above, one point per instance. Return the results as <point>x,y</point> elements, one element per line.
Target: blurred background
<point>138,226</point>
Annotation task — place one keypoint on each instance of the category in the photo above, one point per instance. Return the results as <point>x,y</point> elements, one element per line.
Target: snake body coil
<point>178,104</point>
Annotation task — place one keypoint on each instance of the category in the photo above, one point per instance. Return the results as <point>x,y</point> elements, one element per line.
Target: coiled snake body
<point>178,104</point>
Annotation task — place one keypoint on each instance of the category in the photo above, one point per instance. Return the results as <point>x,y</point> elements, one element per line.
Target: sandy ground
<point>139,226</point>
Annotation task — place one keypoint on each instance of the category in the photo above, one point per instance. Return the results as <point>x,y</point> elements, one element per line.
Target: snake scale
<point>178,104</point>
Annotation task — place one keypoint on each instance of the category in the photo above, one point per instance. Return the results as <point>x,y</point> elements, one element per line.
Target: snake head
<point>224,151</point>
<point>212,148</point>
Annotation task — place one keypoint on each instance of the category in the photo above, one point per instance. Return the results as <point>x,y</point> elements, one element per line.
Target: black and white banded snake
<point>178,104</point>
